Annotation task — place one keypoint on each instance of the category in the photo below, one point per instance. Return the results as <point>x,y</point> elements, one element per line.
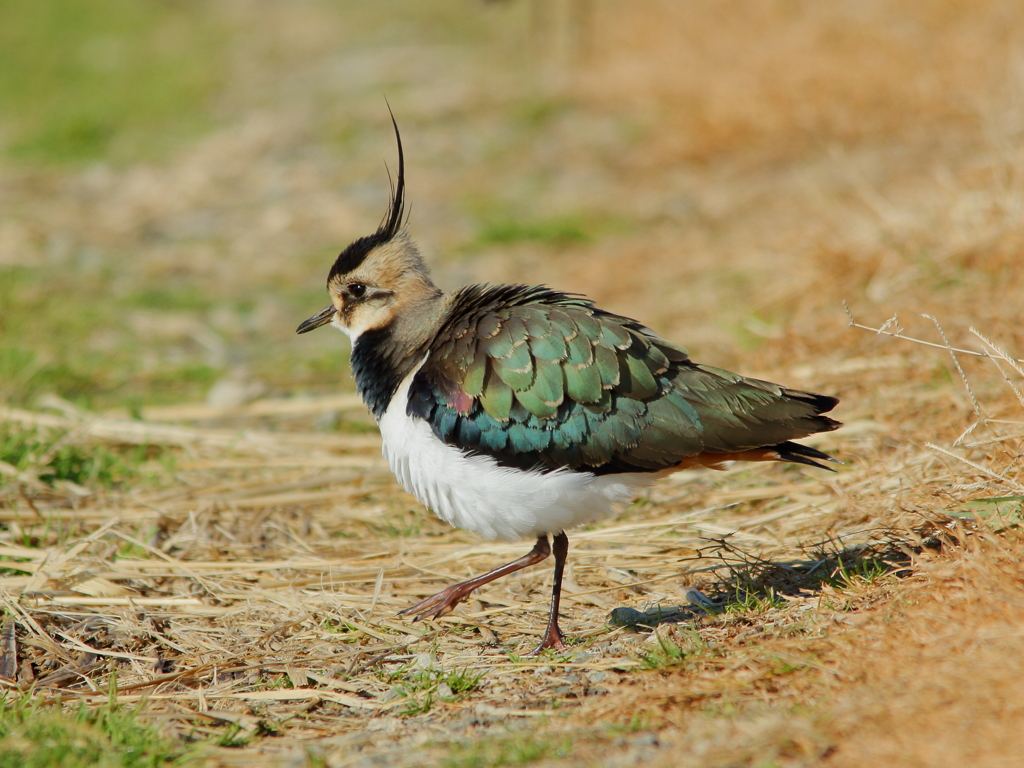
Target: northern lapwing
<point>521,412</point>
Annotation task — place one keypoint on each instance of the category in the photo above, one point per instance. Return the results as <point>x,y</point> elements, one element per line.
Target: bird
<point>523,412</point>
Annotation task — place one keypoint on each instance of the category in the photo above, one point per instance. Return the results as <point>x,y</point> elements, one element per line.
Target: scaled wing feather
<point>552,382</point>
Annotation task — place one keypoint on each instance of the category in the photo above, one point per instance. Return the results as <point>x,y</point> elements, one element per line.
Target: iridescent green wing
<point>534,377</point>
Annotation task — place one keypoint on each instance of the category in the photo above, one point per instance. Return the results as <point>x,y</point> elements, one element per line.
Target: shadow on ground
<point>746,582</point>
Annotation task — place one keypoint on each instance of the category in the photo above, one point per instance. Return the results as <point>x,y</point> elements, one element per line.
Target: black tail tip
<point>804,454</point>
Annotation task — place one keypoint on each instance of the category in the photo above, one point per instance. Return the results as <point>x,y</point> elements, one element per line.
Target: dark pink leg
<point>446,600</point>
<point>553,637</point>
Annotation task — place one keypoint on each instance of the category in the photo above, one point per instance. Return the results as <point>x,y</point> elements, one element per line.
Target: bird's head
<point>379,277</point>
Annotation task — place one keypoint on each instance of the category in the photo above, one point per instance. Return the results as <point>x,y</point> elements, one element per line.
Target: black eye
<point>356,290</point>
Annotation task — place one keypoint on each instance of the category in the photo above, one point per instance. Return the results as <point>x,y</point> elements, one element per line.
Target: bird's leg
<point>553,637</point>
<point>446,600</point>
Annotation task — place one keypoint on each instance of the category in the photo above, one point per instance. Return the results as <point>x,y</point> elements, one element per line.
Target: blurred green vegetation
<point>69,333</point>
<point>509,229</point>
<point>170,297</point>
<point>51,457</point>
<point>36,735</point>
<point>46,343</point>
<point>107,316</point>
<point>120,79</point>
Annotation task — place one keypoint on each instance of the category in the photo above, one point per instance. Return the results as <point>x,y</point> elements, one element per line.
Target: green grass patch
<point>753,600</point>
<point>422,688</point>
<point>676,650</point>
<point>43,341</point>
<point>170,298</point>
<point>50,346</point>
<point>523,749</point>
<point>34,735</point>
<point>82,80</point>
<point>508,229</point>
<point>47,456</point>
<point>539,113</point>
<point>182,382</point>
<point>93,354</point>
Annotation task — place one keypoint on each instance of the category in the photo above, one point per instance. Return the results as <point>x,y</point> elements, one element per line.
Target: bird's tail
<point>801,454</point>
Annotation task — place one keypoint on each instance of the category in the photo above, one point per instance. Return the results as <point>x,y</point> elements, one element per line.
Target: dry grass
<point>841,616</point>
<point>764,616</point>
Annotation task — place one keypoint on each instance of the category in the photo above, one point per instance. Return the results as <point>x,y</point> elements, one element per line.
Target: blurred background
<point>177,176</point>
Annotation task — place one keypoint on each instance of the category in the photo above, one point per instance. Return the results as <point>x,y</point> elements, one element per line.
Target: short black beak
<point>323,317</point>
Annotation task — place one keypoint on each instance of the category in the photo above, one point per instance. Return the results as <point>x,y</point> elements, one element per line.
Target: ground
<point>202,551</point>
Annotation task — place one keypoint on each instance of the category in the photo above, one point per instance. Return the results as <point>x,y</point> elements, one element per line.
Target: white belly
<point>476,493</point>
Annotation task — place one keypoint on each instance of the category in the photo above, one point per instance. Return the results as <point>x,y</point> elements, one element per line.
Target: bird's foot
<point>443,602</point>
<point>553,638</point>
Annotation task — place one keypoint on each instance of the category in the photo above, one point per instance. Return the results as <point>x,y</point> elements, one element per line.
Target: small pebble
<point>425,661</point>
<point>444,691</point>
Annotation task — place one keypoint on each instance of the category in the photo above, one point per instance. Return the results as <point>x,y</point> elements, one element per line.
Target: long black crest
<point>392,223</point>
<point>390,226</point>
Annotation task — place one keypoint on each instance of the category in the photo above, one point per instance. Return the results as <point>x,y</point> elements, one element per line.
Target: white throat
<point>352,333</point>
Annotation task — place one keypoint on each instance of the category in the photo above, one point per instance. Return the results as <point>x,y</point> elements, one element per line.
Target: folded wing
<point>540,379</point>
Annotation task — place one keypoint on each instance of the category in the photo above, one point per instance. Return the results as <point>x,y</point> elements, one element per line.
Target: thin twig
<point>963,376</point>
<point>1003,356</point>
<point>979,467</point>
<point>899,335</point>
